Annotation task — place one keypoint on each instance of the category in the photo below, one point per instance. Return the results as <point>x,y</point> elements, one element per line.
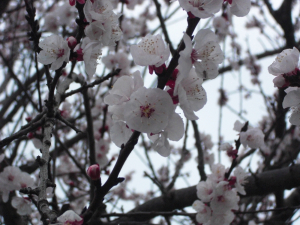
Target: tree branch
<point>260,184</point>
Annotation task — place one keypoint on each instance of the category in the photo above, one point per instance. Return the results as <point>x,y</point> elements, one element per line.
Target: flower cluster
<point>103,22</point>
<point>23,205</point>
<point>60,16</point>
<point>11,179</point>
<point>292,100</point>
<point>253,137</point>
<point>102,30</point>
<point>219,196</point>
<point>207,8</point>
<point>117,60</point>
<point>55,51</point>
<point>286,69</point>
<point>205,55</point>
<point>186,82</point>
<point>191,95</point>
<point>147,110</point>
<point>207,145</point>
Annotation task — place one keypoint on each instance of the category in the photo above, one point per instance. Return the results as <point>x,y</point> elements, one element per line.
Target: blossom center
<point>250,138</point>
<point>221,198</point>
<point>147,110</point>
<point>192,91</point>
<point>194,56</point>
<point>10,177</point>
<point>61,52</point>
<point>149,46</point>
<point>206,52</point>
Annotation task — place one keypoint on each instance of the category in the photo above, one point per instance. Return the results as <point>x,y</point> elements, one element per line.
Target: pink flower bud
<point>72,2</point>
<point>229,1</point>
<point>30,135</point>
<point>79,55</point>
<point>94,172</point>
<point>72,42</point>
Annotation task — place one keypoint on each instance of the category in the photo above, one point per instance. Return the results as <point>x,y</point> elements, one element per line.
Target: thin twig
<point>180,162</point>
<point>22,132</point>
<point>96,82</point>
<point>59,117</point>
<point>200,151</point>
<point>163,26</point>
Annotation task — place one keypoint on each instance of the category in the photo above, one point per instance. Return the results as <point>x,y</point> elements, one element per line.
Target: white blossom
<point>23,205</point>
<point>91,50</point>
<point>55,51</point>
<point>218,173</point>
<point>191,95</point>
<point>209,158</point>
<point>225,199</point>
<point>97,8</point>
<point>226,147</point>
<point>102,148</point>
<point>203,212</point>
<point>221,25</point>
<point>9,181</point>
<point>148,110</point>
<point>295,116</point>
<point>201,8</point>
<point>123,88</point>
<point>219,198</point>
<point>91,55</point>
<point>240,175</point>
<point>292,97</point>
<point>51,22</point>
<point>253,137</point>
<point>292,100</point>
<point>117,60</point>
<point>150,51</point>
<point>206,55</point>
<point>129,29</point>
<point>205,190</point>
<point>285,62</point>
<point>224,218</point>
<point>104,28</point>
<point>65,14</point>
<point>206,139</point>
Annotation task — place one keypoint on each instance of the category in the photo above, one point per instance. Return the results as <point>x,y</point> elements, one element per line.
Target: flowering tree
<point>86,83</point>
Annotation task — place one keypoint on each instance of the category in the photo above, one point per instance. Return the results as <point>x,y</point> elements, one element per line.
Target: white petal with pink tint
<point>150,51</point>
<point>285,62</point>
<point>148,110</point>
